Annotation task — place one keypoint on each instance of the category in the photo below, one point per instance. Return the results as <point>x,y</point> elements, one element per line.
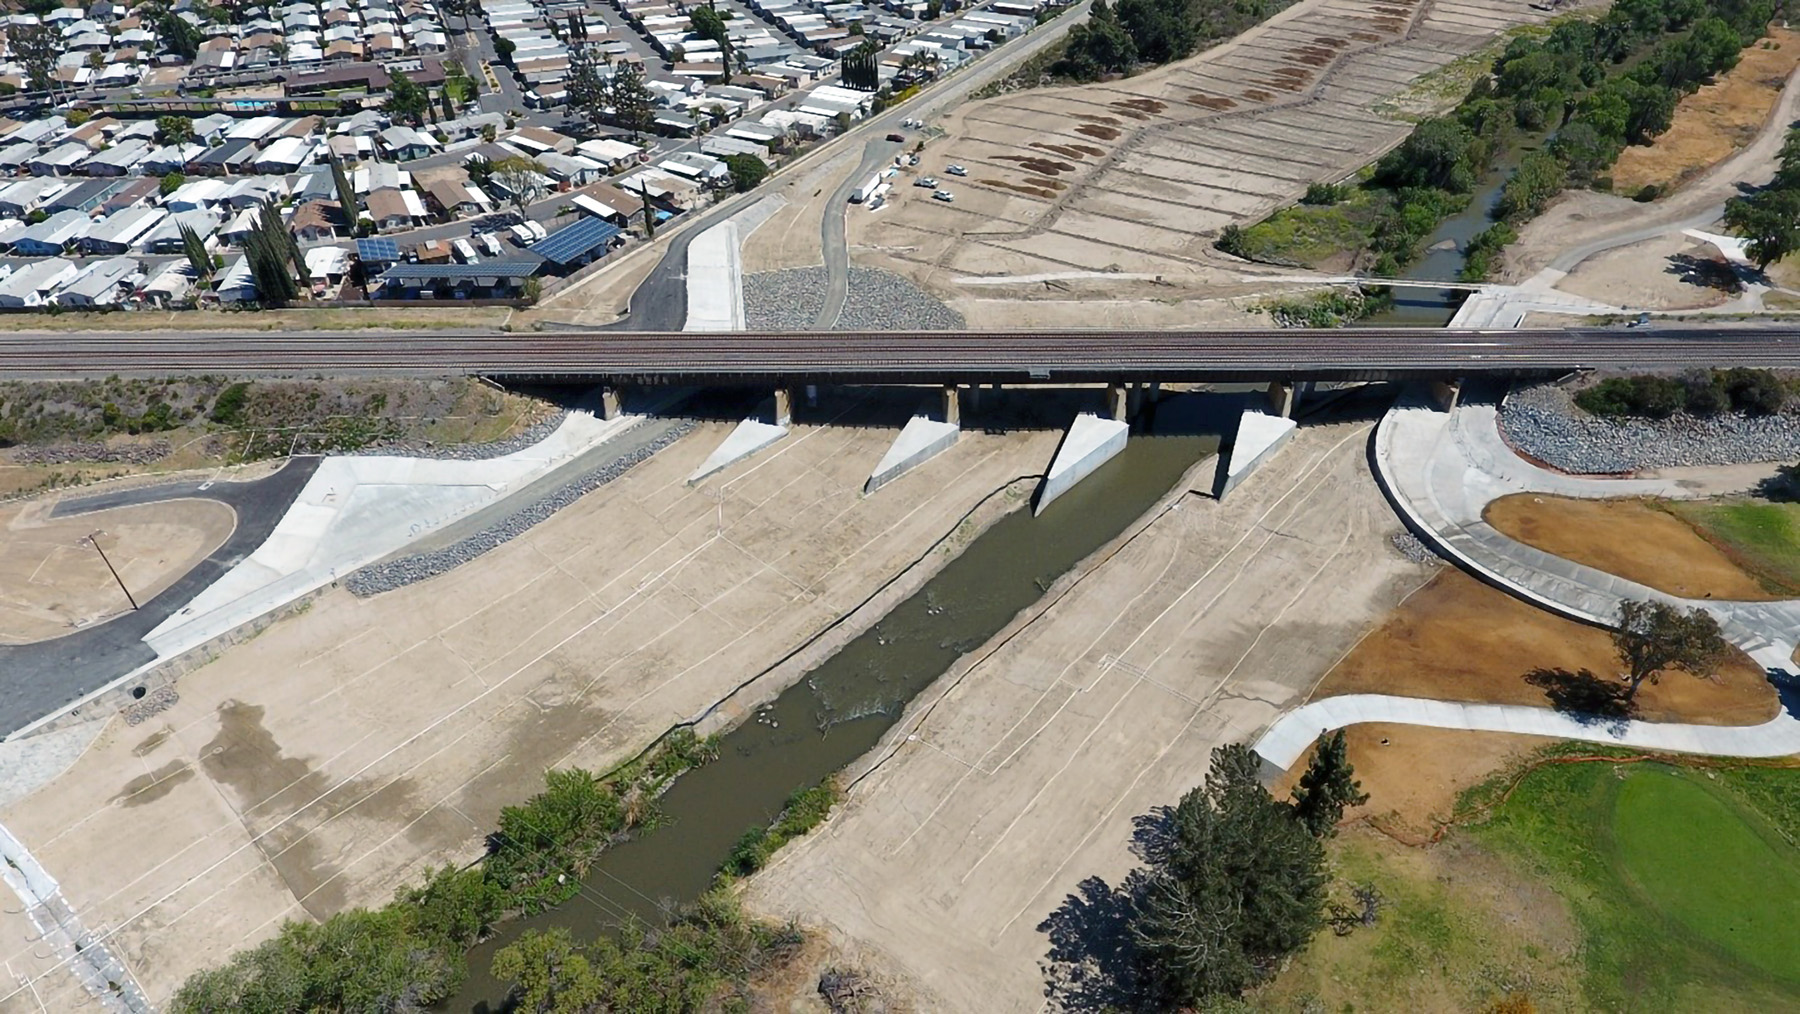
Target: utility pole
<point>94,540</point>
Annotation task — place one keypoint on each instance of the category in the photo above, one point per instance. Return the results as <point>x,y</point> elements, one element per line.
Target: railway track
<point>902,357</point>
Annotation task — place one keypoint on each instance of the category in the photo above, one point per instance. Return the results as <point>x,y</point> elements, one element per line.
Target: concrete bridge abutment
<point>1092,441</point>
<point>922,439</point>
<point>750,436</point>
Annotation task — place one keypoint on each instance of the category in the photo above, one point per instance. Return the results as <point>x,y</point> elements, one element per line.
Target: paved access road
<point>39,679</point>
<point>904,356</point>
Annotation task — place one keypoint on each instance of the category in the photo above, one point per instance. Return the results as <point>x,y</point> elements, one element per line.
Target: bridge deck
<point>906,357</point>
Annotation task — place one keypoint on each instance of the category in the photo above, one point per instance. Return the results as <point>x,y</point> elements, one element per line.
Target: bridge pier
<point>922,439</point>
<point>1091,442</point>
<point>1281,399</point>
<point>609,403</point>
<point>1118,402</point>
<point>1259,435</point>
<point>1447,393</point>
<point>750,436</point>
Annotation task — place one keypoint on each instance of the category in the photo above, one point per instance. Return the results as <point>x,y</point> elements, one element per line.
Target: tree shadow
<point>1093,961</point>
<point>1782,487</point>
<point>1705,272</point>
<point>1585,697</point>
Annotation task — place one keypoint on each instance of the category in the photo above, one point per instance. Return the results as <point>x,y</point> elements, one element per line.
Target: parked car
<point>943,195</point>
<point>928,182</point>
<point>956,170</point>
<point>896,137</point>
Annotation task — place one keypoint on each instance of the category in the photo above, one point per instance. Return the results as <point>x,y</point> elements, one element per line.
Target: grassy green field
<point>1686,883</point>
<point>1313,235</point>
<point>1761,537</point>
<point>1594,886</point>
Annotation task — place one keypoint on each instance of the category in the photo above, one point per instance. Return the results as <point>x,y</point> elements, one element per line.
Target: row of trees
<point>860,69</point>
<point>1597,85</point>
<point>409,953</point>
<point>1116,39</point>
<point>607,92</point>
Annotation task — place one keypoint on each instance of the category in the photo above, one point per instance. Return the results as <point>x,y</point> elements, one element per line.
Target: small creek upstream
<point>840,709</point>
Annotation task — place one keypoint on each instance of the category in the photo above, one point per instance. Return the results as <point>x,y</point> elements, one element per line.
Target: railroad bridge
<point>953,361</point>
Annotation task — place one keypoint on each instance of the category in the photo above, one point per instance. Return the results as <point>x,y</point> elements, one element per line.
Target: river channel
<point>840,709</point>
<point>1445,252</point>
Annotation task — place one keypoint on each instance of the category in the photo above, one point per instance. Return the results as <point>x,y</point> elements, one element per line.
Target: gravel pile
<point>66,454</point>
<point>1412,547</point>
<point>1543,422</point>
<point>784,300</point>
<point>883,301</point>
<point>879,300</point>
<point>159,700</point>
<point>382,577</point>
<point>532,434</point>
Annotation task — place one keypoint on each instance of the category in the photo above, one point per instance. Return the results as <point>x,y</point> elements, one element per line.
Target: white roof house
<point>97,284</point>
<point>327,262</point>
<point>121,230</point>
<point>52,234</point>
<point>32,284</point>
<point>171,284</point>
<point>236,284</point>
<point>197,194</point>
<point>286,155</point>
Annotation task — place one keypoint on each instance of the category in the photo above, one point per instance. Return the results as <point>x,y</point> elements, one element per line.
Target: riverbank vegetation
<point>1770,217</point>
<point>1700,393</point>
<point>1566,103</point>
<point>1331,308</point>
<point>409,953</point>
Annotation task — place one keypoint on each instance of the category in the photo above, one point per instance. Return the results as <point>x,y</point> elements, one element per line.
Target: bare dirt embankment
<point>53,581</point>
<point>1629,538</point>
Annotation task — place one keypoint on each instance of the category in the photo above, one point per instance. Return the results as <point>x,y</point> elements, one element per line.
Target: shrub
<point>228,407</point>
<point>1754,392</point>
<point>1649,192</point>
<point>1650,397</point>
<point>1231,241</point>
<point>1326,193</point>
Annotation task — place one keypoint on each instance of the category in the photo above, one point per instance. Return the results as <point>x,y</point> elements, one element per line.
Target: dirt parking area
<point>1630,538</point>
<point>339,753</point>
<point>1672,272</point>
<point>1139,175</point>
<point>1714,121</point>
<point>53,582</point>
<point>1460,640</point>
<point>1017,776</point>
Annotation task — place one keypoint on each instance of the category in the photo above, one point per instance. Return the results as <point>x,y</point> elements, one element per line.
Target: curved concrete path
<point>1440,470</point>
<point>1288,739</point>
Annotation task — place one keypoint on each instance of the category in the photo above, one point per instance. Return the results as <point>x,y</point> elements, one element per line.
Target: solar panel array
<point>517,267</point>
<point>569,243</point>
<point>377,249</point>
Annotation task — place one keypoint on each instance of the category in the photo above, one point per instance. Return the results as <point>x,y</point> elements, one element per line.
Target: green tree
<point>1440,153</point>
<point>549,974</point>
<point>1097,47</point>
<point>171,182</point>
<point>1654,637</point>
<point>198,256</point>
<point>1161,30</point>
<point>174,129</point>
<point>746,171</point>
<point>587,90</point>
<point>706,23</point>
<point>1236,885</point>
<point>407,99</point>
<point>346,194</point>
<point>632,105</point>
<point>1327,787</point>
<point>522,178</point>
<point>175,32</point>
<point>1537,181</point>
<point>649,211</point>
<point>503,48</point>
<point>36,48</point>
<point>1770,220</point>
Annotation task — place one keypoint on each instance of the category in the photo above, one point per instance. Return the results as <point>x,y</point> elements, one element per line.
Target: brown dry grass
<point>1714,121</point>
<point>1629,538</point>
<point>1460,640</point>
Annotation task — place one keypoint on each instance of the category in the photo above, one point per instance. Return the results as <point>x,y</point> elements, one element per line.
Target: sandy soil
<point>332,758</point>
<point>979,817</point>
<point>51,582</point>
<point>1662,273</point>
<point>790,237</point>
<point>1460,640</point>
<point>1716,120</point>
<point>1629,538</point>
<point>600,298</point>
<point>1137,176</point>
<point>989,313</point>
<point>1414,774</point>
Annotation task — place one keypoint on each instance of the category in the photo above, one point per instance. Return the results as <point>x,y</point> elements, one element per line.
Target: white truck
<point>866,191</point>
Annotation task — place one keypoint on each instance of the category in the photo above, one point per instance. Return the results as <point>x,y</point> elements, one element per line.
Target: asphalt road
<point>832,224</point>
<point>907,356</point>
<point>37,679</point>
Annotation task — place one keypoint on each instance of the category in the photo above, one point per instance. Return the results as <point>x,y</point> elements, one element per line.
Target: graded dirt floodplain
<point>344,750</point>
<point>1018,773</point>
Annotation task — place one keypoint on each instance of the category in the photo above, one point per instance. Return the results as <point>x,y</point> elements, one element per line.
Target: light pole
<point>94,540</point>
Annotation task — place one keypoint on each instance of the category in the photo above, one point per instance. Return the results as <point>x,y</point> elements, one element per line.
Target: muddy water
<point>840,709</point>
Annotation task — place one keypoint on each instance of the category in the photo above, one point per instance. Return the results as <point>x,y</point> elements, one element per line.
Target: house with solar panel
<point>578,244</point>
<point>493,279</point>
